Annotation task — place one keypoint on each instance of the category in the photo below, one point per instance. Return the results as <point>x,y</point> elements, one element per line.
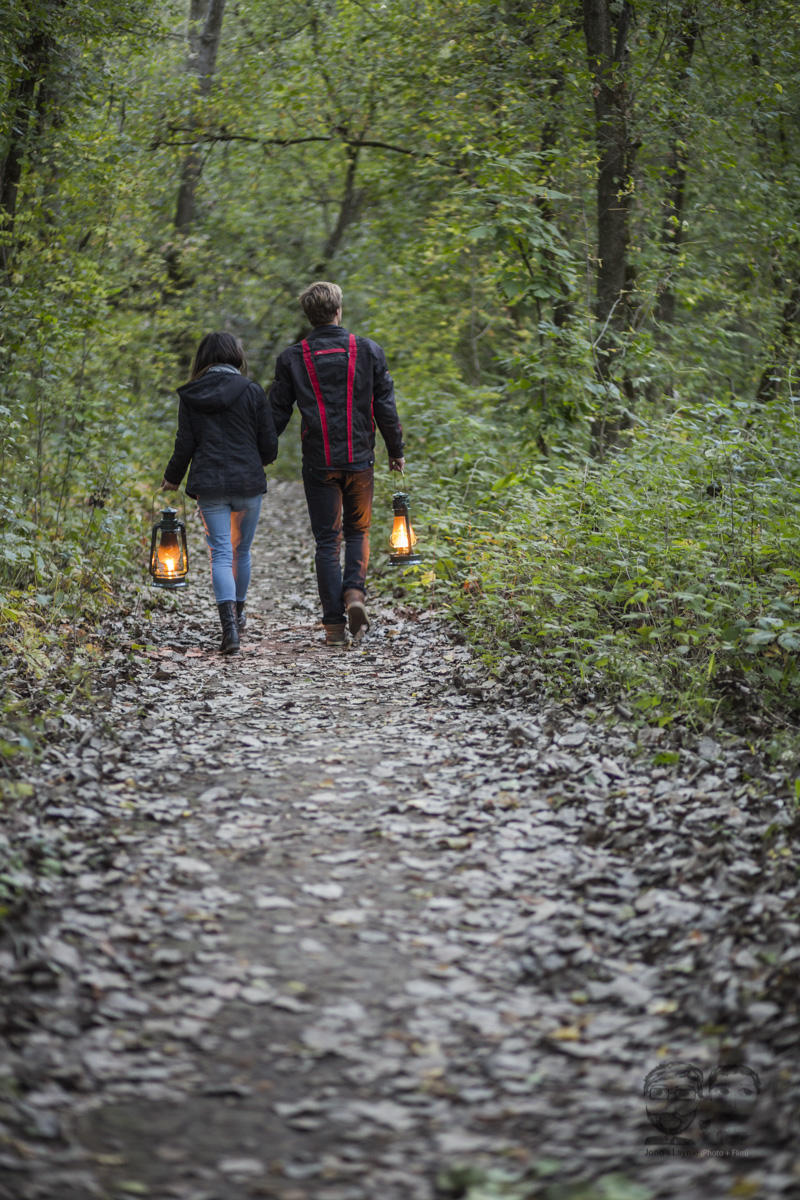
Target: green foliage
<point>671,572</point>
<point>477,1183</point>
<point>443,170</point>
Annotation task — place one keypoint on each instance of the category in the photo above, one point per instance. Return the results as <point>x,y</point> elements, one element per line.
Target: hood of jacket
<point>215,391</point>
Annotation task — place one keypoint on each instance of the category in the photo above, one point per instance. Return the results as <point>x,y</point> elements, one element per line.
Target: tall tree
<point>677,160</point>
<point>606,28</point>
<point>201,62</point>
<point>777,161</point>
<point>34,65</point>
<point>783,347</point>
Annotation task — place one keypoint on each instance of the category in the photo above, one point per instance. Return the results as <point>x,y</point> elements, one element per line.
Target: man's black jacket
<point>225,428</point>
<point>343,388</point>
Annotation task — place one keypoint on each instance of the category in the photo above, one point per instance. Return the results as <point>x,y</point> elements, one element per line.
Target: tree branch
<point>356,143</point>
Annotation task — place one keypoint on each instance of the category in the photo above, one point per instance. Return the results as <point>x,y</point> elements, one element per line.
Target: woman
<point>226,431</point>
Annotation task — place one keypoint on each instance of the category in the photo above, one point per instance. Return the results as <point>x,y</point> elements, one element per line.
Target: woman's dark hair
<point>216,349</point>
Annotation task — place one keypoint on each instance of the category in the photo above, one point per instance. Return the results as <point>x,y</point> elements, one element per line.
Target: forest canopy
<point>572,226</point>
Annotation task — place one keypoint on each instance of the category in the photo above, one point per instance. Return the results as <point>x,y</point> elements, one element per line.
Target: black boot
<point>230,630</point>
<point>241,615</point>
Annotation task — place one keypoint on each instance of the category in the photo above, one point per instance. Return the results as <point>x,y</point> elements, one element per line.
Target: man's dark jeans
<point>339,503</point>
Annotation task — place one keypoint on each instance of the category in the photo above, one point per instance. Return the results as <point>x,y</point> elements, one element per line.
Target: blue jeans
<point>339,504</point>
<point>230,523</point>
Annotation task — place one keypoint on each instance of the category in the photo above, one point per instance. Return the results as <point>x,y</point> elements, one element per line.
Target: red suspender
<point>351,375</point>
<point>312,375</point>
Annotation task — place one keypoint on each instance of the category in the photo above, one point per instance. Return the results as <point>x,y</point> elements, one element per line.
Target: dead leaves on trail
<point>340,926</point>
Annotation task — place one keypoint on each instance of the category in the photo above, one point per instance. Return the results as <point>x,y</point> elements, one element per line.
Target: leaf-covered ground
<point>365,925</point>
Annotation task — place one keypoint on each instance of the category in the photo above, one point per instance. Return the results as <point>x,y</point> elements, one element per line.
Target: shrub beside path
<point>365,925</point>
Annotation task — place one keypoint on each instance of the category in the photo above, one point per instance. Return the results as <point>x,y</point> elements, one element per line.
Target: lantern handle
<point>158,498</point>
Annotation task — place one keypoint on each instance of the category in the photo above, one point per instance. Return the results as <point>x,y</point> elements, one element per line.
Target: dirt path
<point>335,925</point>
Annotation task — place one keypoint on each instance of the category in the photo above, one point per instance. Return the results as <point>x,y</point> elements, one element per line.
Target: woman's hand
<point>166,486</point>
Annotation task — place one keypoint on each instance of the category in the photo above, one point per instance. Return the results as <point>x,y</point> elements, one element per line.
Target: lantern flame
<point>399,537</point>
<point>169,553</point>
<point>167,556</point>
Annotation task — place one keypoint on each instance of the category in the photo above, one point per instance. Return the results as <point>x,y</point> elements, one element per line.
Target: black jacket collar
<point>327,331</point>
<point>214,391</point>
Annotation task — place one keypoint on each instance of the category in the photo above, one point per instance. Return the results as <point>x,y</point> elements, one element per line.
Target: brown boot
<point>356,611</point>
<point>335,635</point>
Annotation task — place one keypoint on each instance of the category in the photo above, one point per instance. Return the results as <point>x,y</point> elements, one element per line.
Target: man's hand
<point>397,464</point>
<point>166,486</point>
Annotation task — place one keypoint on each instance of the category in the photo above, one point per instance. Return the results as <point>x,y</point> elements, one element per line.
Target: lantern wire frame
<point>168,582</point>
<point>406,557</point>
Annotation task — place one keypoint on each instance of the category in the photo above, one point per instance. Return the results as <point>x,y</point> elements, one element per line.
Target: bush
<point>670,572</point>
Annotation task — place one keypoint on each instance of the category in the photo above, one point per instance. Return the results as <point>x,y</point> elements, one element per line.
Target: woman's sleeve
<point>185,446</point>
<point>281,395</point>
<point>266,435</point>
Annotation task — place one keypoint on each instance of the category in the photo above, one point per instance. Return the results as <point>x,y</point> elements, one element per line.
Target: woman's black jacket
<point>226,430</point>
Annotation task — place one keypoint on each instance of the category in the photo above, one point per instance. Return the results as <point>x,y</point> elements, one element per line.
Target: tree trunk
<point>36,59</point>
<point>202,61</point>
<point>562,307</point>
<point>194,30</point>
<point>606,42</point>
<point>773,374</point>
<point>776,166</point>
<point>349,210</point>
<point>676,167</point>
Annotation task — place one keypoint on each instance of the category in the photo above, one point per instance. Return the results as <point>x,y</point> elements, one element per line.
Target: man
<point>343,388</point>
<point>672,1093</point>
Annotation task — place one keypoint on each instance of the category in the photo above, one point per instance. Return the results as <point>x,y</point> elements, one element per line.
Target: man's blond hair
<point>320,302</point>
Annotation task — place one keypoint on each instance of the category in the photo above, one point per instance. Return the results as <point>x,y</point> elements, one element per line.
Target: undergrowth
<point>538,1183</point>
<point>669,574</point>
<point>57,590</point>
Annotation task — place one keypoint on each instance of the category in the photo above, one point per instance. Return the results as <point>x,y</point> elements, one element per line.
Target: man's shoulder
<point>365,345</point>
<point>290,352</point>
<point>370,345</point>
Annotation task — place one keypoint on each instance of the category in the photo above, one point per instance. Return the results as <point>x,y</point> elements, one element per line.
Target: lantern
<point>169,554</point>
<point>403,539</point>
